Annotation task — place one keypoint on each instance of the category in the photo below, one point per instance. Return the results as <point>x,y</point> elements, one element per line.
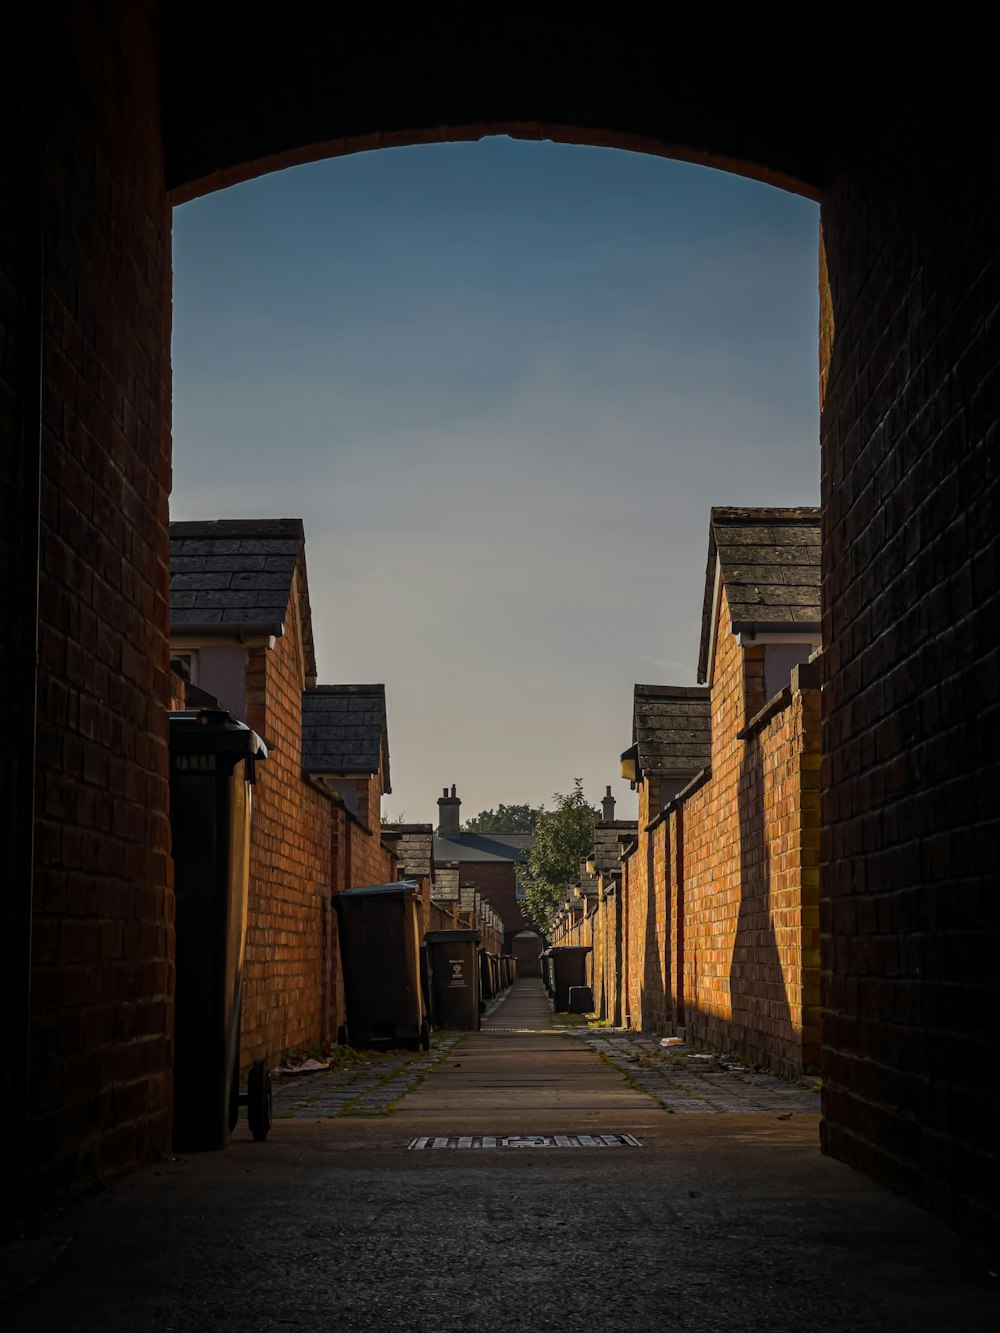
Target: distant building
<point>489,861</point>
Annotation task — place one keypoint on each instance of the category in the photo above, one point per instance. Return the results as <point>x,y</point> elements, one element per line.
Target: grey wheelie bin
<point>212,758</point>
<point>454,971</point>
<point>569,968</point>
<point>380,949</point>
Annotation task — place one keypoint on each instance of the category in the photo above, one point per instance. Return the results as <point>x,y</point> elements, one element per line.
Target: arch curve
<point>273,94</point>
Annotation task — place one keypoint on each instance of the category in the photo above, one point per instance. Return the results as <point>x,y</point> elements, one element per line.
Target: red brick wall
<point>720,898</point>
<point>497,883</point>
<point>911,607</point>
<point>289,995</point>
<point>712,850</point>
<point>100,1082</point>
<point>371,863</point>
<point>648,1001</point>
<point>774,971</point>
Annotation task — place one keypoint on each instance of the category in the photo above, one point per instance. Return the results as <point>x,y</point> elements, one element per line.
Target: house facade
<point>487,862</point>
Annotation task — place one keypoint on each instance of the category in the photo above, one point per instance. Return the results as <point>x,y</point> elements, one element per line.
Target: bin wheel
<point>234,1100</point>
<point>342,1035</point>
<point>425,1035</point>
<point>234,1087</point>
<point>259,1100</point>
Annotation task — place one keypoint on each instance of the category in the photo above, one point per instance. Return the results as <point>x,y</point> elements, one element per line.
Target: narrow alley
<point>622,1214</point>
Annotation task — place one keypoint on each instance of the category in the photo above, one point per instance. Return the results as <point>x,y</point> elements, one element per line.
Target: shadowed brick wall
<point>102,986</point>
<point>287,990</point>
<point>911,607</point>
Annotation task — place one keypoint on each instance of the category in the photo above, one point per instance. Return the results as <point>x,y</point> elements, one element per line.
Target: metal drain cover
<point>526,1141</point>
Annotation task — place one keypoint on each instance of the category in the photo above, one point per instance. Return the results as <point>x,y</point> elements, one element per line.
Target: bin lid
<point>400,886</point>
<point>571,948</point>
<point>451,936</point>
<point>213,731</point>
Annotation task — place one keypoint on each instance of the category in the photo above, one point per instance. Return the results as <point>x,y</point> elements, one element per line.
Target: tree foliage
<point>564,837</point>
<point>504,819</point>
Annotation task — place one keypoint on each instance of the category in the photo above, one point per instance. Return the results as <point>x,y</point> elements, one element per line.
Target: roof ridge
<point>670,691</point>
<point>208,528</point>
<point>374,688</point>
<point>765,513</point>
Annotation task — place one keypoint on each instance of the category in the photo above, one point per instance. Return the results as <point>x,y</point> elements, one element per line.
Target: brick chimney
<point>449,817</point>
<point>607,807</point>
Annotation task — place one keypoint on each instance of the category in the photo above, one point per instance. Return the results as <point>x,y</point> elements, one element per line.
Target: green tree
<point>505,819</point>
<point>564,837</point>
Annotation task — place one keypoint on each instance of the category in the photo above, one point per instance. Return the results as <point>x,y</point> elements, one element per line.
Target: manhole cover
<point>526,1141</point>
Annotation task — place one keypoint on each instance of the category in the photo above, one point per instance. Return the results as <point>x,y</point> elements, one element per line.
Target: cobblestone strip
<point>361,1090</point>
<point>674,1079</point>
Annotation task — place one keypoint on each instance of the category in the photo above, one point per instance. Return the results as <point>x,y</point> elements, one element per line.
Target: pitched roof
<point>344,730</point>
<point>610,838</point>
<point>231,575</point>
<point>769,561</point>
<point>482,847</point>
<point>413,845</point>
<point>672,728</point>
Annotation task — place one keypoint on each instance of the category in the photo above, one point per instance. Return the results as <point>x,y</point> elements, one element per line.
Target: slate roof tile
<point>482,847</point>
<point>769,560</point>
<point>672,728</point>
<point>609,838</point>
<point>344,730</point>
<point>241,572</point>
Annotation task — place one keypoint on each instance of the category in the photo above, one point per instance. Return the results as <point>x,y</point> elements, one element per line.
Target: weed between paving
<point>371,1087</point>
<point>684,1082</point>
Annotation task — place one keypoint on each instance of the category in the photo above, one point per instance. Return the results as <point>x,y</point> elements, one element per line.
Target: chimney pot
<point>449,814</point>
<point>608,806</point>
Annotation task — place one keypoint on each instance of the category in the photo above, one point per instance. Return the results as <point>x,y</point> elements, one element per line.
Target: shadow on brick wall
<point>761,1013</point>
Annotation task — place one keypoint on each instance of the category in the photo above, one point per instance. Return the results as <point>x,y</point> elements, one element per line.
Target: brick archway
<point>141,105</point>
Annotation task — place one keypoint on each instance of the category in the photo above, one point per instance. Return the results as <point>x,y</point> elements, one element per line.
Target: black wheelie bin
<point>454,972</point>
<point>380,951</point>
<point>212,758</point>
<point>569,968</point>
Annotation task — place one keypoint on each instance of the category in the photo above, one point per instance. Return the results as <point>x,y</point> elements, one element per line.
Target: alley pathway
<point>521,1074</point>
<point>701,1223</point>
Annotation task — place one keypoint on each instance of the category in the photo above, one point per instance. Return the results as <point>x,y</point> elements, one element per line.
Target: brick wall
<point>648,1002</point>
<point>102,987</point>
<point>719,900</point>
<point>290,996</point>
<point>497,883</point>
<point>774,970</point>
<point>911,606</point>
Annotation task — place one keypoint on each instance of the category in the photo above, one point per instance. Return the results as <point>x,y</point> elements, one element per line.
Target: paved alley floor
<point>717,1221</point>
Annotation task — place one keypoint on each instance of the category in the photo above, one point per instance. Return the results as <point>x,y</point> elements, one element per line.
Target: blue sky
<point>502,384</point>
